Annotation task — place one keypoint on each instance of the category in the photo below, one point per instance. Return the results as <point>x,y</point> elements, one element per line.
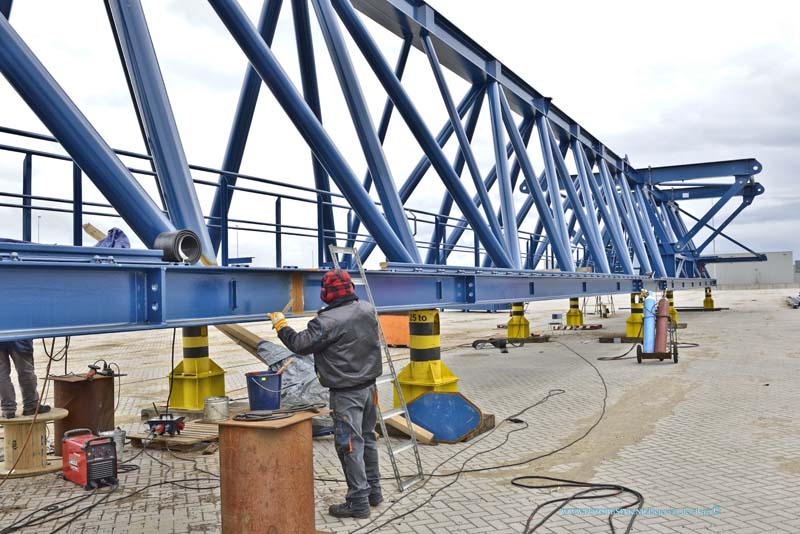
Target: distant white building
<point>778,271</point>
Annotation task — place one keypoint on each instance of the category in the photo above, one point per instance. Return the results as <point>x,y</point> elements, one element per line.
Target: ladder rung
<point>388,414</point>
<point>407,483</point>
<point>403,448</point>
<point>384,379</point>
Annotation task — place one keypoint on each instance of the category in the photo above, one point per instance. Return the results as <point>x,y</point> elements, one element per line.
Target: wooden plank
<point>398,422</point>
<point>242,337</point>
<point>192,434</point>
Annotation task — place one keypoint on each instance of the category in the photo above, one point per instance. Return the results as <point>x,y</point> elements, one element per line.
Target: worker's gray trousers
<point>354,418</point>
<point>26,374</point>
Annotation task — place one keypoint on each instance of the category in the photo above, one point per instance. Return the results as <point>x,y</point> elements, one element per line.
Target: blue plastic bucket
<point>264,390</point>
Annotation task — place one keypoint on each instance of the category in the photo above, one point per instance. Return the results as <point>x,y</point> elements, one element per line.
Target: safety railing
<point>280,193</point>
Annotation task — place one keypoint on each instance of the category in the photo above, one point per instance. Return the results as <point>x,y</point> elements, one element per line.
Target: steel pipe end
<point>181,246</point>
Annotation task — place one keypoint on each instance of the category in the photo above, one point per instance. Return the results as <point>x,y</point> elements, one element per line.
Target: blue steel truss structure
<point>606,227</point>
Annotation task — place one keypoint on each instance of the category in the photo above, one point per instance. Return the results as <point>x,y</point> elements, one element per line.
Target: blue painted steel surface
<point>242,120</point>
<point>376,161</point>
<point>607,219</point>
<point>152,102</point>
<point>309,126</point>
<point>450,417</point>
<point>63,118</point>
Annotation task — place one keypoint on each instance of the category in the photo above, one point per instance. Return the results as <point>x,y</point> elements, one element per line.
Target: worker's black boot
<point>350,509</point>
<point>44,408</point>
<point>375,498</point>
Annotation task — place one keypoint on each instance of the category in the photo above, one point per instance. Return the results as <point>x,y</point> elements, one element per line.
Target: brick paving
<point>718,432</point>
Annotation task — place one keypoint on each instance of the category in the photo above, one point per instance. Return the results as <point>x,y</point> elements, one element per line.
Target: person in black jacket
<point>345,342</point>
<point>21,353</point>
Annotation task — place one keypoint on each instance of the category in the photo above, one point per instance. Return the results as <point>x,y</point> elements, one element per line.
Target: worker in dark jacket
<point>345,342</point>
<point>21,353</point>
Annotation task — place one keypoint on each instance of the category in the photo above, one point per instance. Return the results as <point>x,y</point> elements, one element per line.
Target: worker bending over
<point>345,342</point>
<point>21,353</point>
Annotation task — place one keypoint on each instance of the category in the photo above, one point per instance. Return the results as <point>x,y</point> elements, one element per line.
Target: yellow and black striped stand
<point>708,302</point>
<point>518,326</point>
<point>673,313</point>
<point>634,325</point>
<point>196,377</point>
<point>425,372</point>
<point>574,315</point>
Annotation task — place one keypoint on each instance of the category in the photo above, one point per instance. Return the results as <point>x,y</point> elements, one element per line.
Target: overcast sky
<point>667,83</point>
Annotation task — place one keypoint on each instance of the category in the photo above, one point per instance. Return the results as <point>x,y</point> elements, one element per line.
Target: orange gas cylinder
<point>662,325</point>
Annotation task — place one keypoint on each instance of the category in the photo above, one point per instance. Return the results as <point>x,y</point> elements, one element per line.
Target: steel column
<point>242,120</point>
<point>81,141</point>
<point>417,125</point>
<point>152,100</point>
<point>27,191</point>
<point>262,58</point>
<point>77,206</point>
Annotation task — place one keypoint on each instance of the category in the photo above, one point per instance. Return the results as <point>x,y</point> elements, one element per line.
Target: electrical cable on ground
<point>462,470</point>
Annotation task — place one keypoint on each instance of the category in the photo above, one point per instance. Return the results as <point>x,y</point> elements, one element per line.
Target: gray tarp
<point>299,383</point>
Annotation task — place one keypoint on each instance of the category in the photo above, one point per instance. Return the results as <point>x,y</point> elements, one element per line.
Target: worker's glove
<point>278,320</point>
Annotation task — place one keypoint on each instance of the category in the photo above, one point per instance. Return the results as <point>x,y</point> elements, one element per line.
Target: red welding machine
<point>88,460</point>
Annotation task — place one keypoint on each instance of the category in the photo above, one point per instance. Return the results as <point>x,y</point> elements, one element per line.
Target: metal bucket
<point>118,435</point>
<point>216,408</point>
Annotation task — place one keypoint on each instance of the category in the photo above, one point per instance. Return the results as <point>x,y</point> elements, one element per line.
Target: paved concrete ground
<point>712,442</point>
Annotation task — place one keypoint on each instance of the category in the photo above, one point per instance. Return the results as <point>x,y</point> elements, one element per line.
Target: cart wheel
<point>674,354</point>
<point>661,359</point>
<point>638,354</point>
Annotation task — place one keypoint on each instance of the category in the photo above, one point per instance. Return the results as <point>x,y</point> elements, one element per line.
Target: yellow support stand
<point>196,377</point>
<point>426,372</point>
<point>673,313</point>
<point>708,302</point>
<point>635,324</point>
<point>574,315</point>
<point>518,326</point>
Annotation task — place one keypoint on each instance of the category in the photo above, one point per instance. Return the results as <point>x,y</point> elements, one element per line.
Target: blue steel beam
<point>647,231</point>
<point>551,222</point>
<point>707,191</point>
<point>365,129</point>
<point>525,129</point>
<point>61,116</point>
<point>133,291</point>
<point>326,230</point>
<point>587,221</point>
<point>733,189</point>
<point>503,178</point>
<point>617,240</point>
<point>383,129</point>
<point>409,186</point>
<point>718,230</point>
<point>242,120</point>
<point>465,148</point>
<point>631,223</point>
<point>417,125</point>
<point>694,171</point>
<point>552,185</point>
<point>306,122</point>
<point>5,8</point>
<point>154,107</point>
<point>439,234</point>
<point>469,60</point>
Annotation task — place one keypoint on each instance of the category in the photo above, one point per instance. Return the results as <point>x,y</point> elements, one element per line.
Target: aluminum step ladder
<point>383,415</point>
